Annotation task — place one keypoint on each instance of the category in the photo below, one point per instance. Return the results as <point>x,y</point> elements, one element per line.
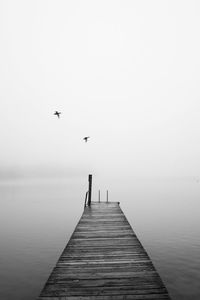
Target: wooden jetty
<point>104,260</point>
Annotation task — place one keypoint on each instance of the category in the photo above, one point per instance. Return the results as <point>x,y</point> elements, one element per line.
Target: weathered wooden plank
<point>109,276</point>
<point>104,260</point>
<point>87,258</point>
<point>61,290</point>
<point>97,275</point>
<point>110,297</point>
<point>152,280</point>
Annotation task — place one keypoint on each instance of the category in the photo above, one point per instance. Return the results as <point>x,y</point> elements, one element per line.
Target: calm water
<point>37,218</point>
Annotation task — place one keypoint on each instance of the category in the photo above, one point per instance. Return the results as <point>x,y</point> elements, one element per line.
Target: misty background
<point>125,73</point>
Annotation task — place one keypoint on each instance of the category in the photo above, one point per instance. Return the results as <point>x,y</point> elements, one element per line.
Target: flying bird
<point>86,138</point>
<point>57,114</point>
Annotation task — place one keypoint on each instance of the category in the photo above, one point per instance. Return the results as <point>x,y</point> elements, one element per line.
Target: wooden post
<point>107,196</point>
<point>99,195</point>
<point>90,190</point>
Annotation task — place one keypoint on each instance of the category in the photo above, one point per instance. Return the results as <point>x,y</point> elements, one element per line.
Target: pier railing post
<point>86,195</point>
<point>90,190</point>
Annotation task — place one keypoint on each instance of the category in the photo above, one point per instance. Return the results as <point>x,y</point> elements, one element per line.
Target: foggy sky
<point>125,73</point>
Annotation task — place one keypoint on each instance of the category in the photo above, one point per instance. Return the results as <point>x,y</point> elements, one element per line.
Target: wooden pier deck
<point>104,260</point>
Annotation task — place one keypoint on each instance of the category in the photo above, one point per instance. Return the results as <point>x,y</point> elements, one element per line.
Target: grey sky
<point>125,73</point>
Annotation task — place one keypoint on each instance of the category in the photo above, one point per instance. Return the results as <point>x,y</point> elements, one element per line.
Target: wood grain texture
<point>104,260</point>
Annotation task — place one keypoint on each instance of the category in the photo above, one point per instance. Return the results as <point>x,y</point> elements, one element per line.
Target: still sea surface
<point>38,216</point>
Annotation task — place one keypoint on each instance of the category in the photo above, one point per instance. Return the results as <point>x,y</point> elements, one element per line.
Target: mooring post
<point>90,190</point>
<point>99,195</point>
<point>106,196</point>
